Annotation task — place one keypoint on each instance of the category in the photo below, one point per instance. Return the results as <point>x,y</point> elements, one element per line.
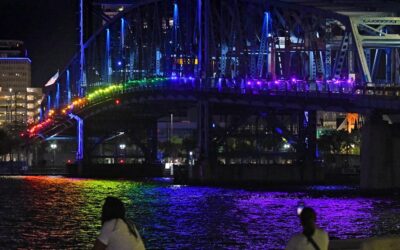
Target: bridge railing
<point>341,89</point>
<point>334,89</point>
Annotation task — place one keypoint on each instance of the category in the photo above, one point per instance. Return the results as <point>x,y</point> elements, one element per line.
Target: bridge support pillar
<point>80,143</point>
<point>306,146</point>
<point>202,171</point>
<point>380,161</point>
<point>152,140</point>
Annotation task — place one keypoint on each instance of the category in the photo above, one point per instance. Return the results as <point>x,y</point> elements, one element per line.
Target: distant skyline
<point>48,29</point>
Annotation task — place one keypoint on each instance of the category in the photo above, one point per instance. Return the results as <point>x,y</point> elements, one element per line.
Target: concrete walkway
<point>376,243</point>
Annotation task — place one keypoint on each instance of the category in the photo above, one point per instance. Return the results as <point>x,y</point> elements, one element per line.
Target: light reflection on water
<point>56,212</point>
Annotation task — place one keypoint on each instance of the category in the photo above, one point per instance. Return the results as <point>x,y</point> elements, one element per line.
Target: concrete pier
<point>380,157</point>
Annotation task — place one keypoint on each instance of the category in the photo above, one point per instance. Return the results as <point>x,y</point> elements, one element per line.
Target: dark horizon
<point>48,30</point>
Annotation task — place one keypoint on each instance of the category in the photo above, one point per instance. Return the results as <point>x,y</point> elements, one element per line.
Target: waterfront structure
<point>254,73</point>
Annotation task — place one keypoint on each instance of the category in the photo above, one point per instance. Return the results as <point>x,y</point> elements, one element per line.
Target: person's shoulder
<point>321,231</point>
<point>296,237</point>
<point>294,241</point>
<point>109,223</point>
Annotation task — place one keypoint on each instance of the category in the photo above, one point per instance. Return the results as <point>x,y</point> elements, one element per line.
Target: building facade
<point>21,107</point>
<point>19,102</point>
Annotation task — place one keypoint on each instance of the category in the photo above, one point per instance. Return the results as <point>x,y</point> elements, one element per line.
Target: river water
<point>63,213</point>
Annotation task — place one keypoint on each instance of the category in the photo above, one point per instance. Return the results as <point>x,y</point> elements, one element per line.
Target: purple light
<point>258,83</point>
<point>293,79</point>
<point>248,83</point>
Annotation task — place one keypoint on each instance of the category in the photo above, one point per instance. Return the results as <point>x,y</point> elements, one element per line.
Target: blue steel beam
<point>80,149</point>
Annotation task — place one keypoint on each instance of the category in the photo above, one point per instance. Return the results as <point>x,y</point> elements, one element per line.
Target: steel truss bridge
<point>218,56</point>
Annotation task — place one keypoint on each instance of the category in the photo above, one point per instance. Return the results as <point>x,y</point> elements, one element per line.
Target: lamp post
<point>53,146</point>
<point>122,147</point>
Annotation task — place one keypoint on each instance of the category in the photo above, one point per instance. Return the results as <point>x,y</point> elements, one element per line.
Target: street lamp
<point>191,158</point>
<point>122,147</point>
<point>53,146</point>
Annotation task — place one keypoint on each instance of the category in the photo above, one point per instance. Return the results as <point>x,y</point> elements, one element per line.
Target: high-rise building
<point>19,102</point>
<point>21,107</point>
<point>15,73</point>
<point>12,48</point>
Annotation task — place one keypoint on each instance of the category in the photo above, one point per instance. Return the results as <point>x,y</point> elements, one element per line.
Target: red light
<point>121,161</point>
<point>117,101</point>
<point>69,161</point>
<point>22,134</point>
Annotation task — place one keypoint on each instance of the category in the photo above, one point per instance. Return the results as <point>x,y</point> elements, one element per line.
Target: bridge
<point>274,63</point>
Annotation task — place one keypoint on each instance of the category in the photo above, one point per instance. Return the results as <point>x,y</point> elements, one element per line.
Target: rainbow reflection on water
<point>56,212</point>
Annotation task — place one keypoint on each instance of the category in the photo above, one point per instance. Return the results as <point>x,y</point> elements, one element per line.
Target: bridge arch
<point>219,39</point>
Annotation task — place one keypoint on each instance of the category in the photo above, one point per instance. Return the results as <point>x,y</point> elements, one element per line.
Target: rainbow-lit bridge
<point>234,64</point>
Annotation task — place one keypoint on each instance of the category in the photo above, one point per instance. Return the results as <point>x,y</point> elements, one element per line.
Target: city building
<point>15,73</point>
<point>21,107</point>
<point>12,48</point>
<point>19,102</point>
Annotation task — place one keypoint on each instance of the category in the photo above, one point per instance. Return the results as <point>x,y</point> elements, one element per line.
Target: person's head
<point>308,218</point>
<point>113,208</point>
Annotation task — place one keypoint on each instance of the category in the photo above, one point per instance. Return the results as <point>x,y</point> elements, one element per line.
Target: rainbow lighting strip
<point>95,96</point>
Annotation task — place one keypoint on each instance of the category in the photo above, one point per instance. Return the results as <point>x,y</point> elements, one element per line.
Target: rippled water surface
<point>62,213</point>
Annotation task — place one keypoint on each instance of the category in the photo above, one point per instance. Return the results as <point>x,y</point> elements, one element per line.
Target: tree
<point>4,142</point>
<point>10,139</point>
<point>339,142</point>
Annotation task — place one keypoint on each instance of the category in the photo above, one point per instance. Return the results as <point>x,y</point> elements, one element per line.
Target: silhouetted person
<point>116,232</point>
<point>312,238</point>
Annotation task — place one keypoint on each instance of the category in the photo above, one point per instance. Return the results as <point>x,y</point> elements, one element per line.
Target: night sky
<point>48,28</point>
